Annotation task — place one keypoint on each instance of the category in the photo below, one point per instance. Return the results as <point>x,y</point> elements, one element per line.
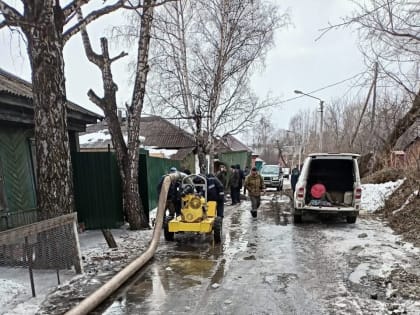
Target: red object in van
<point>318,190</point>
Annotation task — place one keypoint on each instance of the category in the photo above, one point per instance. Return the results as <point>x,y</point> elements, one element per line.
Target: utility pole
<point>321,105</point>
<point>321,137</point>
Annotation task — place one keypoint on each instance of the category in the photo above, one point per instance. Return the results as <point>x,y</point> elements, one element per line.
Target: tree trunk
<point>133,205</point>
<point>54,180</point>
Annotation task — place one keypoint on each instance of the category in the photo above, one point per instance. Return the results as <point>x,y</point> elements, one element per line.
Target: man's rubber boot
<point>254,213</point>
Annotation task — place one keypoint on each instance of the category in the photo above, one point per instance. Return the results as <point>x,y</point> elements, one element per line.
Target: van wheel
<point>297,218</point>
<point>351,219</point>
<point>169,236</point>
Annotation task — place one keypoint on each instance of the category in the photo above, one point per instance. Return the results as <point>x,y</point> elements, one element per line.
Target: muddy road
<point>268,265</point>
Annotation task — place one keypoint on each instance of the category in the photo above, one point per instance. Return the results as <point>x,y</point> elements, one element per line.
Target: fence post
<point>77,265</point>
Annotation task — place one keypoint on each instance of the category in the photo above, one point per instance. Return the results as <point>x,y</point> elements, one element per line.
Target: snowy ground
<point>15,291</point>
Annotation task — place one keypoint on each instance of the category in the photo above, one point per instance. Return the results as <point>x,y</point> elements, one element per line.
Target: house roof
<point>16,93</point>
<point>230,143</point>
<point>157,132</point>
<point>161,133</point>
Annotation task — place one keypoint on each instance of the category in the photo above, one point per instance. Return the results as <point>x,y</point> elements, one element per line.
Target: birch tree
<point>46,26</point>
<point>204,54</point>
<point>127,153</point>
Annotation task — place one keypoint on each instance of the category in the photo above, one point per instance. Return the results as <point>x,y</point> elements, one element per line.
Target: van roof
<point>352,155</point>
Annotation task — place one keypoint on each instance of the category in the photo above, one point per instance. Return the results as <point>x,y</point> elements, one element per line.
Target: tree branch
<point>11,15</point>
<point>73,7</point>
<point>92,16</point>
<point>96,99</point>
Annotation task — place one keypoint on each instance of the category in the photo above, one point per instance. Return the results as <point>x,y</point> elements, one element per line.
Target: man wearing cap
<point>254,183</point>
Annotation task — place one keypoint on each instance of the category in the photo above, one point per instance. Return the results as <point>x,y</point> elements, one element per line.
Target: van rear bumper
<point>346,211</point>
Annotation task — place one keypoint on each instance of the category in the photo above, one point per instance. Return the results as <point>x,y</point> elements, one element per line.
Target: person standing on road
<point>241,182</point>
<point>234,184</point>
<point>216,192</point>
<point>246,173</point>
<point>222,175</point>
<point>254,183</point>
<point>294,178</point>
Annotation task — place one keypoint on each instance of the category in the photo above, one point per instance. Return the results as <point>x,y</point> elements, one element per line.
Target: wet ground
<point>268,265</point>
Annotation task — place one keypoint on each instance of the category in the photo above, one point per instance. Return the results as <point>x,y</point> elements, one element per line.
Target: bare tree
<point>389,33</point>
<point>47,26</point>
<point>127,153</point>
<point>204,55</point>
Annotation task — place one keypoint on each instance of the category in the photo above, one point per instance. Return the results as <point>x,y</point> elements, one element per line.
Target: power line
<point>323,88</point>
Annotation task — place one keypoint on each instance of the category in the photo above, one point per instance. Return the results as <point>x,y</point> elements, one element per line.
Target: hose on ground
<point>97,297</point>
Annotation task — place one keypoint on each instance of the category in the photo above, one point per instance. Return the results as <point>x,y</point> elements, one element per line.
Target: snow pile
<point>101,135</point>
<point>374,195</point>
<point>9,291</point>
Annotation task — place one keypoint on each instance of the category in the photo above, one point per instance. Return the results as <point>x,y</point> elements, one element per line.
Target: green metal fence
<point>97,189</point>
<point>151,169</point>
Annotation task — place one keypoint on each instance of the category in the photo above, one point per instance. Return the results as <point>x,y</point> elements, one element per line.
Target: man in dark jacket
<point>241,182</point>
<point>216,192</point>
<point>222,175</point>
<point>234,184</point>
<point>294,178</point>
<point>246,173</point>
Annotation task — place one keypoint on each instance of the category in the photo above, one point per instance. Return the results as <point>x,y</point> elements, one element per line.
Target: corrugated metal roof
<point>11,84</point>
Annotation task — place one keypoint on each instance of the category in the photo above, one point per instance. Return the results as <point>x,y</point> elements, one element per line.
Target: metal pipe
<point>97,297</point>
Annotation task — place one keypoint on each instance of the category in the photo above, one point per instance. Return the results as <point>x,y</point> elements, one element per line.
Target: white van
<point>338,173</point>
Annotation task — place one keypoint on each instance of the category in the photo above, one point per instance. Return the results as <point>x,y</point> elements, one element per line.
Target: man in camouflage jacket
<point>254,183</point>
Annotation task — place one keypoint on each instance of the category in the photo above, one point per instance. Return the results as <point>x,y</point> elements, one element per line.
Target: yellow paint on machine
<point>203,226</point>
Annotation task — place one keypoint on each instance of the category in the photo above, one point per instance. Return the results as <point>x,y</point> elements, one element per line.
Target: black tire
<point>169,236</point>
<point>217,229</point>
<point>297,218</point>
<point>278,188</point>
<point>351,219</point>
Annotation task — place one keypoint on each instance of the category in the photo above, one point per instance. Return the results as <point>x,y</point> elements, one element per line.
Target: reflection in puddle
<point>190,266</point>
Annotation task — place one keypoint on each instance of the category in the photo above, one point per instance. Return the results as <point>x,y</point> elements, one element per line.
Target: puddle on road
<point>193,260</point>
<point>277,210</point>
<point>190,266</point>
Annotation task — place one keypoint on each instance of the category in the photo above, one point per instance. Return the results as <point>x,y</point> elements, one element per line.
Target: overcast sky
<point>297,62</point>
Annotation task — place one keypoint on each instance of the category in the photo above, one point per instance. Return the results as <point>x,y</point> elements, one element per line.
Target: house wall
<point>243,158</point>
<point>18,202</point>
<point>17,169</point>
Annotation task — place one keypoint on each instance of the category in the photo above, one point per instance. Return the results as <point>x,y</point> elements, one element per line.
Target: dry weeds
<point>402,208</point>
